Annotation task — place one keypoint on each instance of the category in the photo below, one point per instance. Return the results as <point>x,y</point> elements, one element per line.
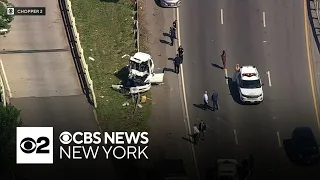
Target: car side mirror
<point>262,84</point>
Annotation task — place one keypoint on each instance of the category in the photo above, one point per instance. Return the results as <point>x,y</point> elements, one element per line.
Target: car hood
<point>251,92</point>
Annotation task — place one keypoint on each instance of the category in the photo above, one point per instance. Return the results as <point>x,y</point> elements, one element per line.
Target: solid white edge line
<point>235,136</point>
<point>269,78</point>
<point>279,140</point>
<point>221,15</point>
<point>185,99</point>
<point>5,78</point>
<point>226,75</point>
<point>264,19</point>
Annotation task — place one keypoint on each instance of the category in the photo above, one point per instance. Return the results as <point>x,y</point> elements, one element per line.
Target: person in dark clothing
<point>180,51</point>
<point>171,34</point>
<point>214,99</point>
<point>174,24</point>
<point>174,32</point>
<point>177,62</point>
<point>202,129</point>
<point>224,59</point>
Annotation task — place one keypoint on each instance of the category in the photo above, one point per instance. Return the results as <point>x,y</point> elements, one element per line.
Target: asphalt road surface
<point>270,35</point>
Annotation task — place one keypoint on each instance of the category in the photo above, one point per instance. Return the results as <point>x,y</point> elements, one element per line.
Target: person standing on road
<point>195,134</point>
<point>177,63</point>
<point>174,32</point>
<point>214,99</point>
<point>180,51</point>
<point>202,129</point>
<point>205,100</point>
<point>171,35</point>
<point>174,24</point>
<point>224,59</point>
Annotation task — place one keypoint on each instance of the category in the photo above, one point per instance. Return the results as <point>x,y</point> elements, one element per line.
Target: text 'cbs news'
<point>35,145</point>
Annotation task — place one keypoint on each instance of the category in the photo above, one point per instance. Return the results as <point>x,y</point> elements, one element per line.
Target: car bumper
<point>173,5</point>
<point>251,100</point>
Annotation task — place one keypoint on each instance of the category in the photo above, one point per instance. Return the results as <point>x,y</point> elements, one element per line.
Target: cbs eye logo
<point>65,137</point>
<point>29,145</point>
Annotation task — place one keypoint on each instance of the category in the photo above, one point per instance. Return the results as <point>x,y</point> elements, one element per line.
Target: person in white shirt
<point>205,100</point>
<point>195,133</point>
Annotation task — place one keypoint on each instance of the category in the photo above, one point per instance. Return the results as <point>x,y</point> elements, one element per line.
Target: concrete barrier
<point>77,49</point>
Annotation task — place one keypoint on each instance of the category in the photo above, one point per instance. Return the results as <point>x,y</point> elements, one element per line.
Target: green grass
<point>106,34</point>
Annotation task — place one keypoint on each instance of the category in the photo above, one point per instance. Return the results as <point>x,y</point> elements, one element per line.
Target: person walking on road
<point>205,100</point>
<point>224,59</point>
<point>177,63</point>
<point>180,51</point>
<point>195,134</point>
<point>214,99</point>
<point>202,129</point>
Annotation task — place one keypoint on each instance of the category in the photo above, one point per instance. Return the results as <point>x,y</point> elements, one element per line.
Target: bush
<point>9,120</point>
<point>4,18</point>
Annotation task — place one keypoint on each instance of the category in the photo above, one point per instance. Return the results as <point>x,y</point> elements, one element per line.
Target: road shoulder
<point>167,126</point>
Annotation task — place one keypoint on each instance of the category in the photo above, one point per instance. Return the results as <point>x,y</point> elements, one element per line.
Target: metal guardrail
<point>77,50</point>
<point>136,25</point>
<point>317,8</point>
<point>5,91</point>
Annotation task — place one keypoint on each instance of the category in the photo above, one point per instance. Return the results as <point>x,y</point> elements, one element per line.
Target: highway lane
<point>276,45</point>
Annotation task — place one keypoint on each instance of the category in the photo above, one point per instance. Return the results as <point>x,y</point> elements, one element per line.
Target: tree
<point>9,120</point>
<point>4,18</point>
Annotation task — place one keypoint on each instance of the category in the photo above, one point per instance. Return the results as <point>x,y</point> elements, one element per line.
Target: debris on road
<point>126,55</point>
<point>91,58</point>
<point>143,99</point>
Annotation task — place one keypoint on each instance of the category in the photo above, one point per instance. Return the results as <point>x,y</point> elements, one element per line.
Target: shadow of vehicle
<point>234,92</point>
<point>288,147</point>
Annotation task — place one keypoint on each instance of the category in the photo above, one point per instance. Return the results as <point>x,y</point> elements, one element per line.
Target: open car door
<point>156,78</point>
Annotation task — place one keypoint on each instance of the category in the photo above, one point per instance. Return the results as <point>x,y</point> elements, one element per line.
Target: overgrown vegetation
<point>9,120</point>
<point>106,32</point>
<point>5,19</point>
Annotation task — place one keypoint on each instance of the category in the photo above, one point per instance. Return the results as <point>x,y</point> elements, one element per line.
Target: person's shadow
<point>202,106</point>
<point>216,66</point>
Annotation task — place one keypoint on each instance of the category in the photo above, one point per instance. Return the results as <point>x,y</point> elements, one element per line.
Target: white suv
<point>249,84</point>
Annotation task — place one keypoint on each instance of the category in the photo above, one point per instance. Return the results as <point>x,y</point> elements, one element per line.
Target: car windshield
<point>250,84</point>
<point>142,67</point>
